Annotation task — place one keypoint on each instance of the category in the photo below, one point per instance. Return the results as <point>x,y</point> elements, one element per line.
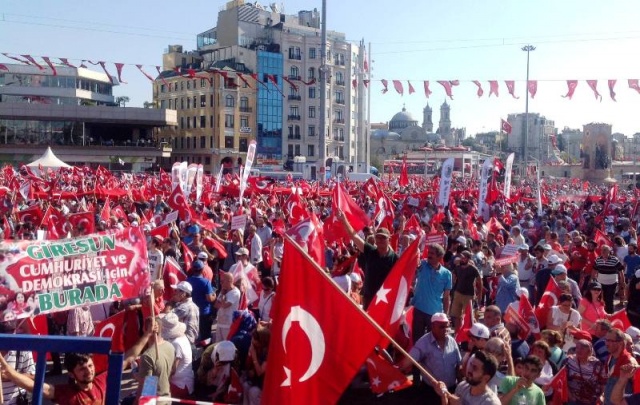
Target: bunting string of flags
<point>448,86</point>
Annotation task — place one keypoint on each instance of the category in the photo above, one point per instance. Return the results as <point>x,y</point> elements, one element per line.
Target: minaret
<point>444,127</point>
<point>427,119</point>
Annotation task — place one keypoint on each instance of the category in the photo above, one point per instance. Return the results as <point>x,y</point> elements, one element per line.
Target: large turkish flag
<point>312,354</point>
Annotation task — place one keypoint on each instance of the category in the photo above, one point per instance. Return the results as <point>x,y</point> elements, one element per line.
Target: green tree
<point>149,104</point>
<point>122,100</point>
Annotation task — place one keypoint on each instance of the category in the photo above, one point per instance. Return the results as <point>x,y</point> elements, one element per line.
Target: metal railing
<point>43,344</point>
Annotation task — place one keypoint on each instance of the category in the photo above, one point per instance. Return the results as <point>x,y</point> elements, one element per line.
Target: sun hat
<point>439,317</point>
<point>172,328</point>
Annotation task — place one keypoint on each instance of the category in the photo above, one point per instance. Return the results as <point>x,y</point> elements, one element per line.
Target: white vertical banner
<point>485,172</point>
<point>191,176</point>
<point>507,176</point>
<point>219,179</point>
<point>539,191</point>
<point>251,154</point>
<point>175,175</point>
<point>445,182</point>
<point>184,172</point>
<point>199,178</point>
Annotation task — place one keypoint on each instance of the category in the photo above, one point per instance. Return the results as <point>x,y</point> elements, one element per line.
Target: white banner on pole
<point>486,171</point>
<point>251,154</point>
<point>507,176</point>
<point>445,182</point>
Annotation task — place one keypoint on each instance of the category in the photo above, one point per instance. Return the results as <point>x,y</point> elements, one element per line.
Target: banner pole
<point>423,371</point>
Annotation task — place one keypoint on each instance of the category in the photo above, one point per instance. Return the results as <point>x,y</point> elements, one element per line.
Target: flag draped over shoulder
<point>319,338</point>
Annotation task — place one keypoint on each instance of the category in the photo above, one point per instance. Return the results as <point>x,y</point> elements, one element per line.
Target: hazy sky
<point>411,40</point>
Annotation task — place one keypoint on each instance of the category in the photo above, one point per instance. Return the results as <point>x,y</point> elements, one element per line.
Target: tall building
<point>74,111</point>
<point>539,140</point>
<point>427,122</point>
<point>284,53</point>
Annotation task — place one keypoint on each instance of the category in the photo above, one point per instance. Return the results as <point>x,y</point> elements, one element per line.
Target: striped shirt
<point>608,269</point>
<point>586,380</point>
<point>25,365</point>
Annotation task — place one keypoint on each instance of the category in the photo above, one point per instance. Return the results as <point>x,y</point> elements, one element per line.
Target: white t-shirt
<point>559,318</point>
<point>183,377</point>
<point>524,273</point>
<point>489,397</point>
<point>225,315</point>
<point>155,263</point>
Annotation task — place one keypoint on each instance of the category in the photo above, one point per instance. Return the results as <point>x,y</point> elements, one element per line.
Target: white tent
<point>48,160</point>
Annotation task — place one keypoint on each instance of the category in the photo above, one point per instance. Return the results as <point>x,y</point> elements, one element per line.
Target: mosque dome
<point>402,120</point>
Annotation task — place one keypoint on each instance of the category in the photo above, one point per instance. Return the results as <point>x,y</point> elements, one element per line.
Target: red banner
<point>42,277</point>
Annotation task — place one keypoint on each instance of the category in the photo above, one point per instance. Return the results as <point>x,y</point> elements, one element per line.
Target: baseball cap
<point>461,240</point>
<point>383,232</point>
<point>633,332</point>
<point>546,246</point>
<point>203,256</point>
<point>197,265</point>
<point>523,247</point>
<point>559,269</point>
<point>594,285</point>
<point>184,286</point>
<point>242,251</point>
<point>554,259</point>
<point>480,331</point>
<point>439,317</point>
<point>581,334</point>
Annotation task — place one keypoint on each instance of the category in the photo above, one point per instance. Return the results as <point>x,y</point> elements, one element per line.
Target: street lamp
<point>527,49</point>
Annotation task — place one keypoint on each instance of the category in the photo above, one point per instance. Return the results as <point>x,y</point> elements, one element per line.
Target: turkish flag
<point>124,330</point>
<point>84,219</point>
<point>601,238</point>
<point>532,86</point>
<point>385,84</point>
<point>427,91</point>
<point>511,87</point>
<point>235,391</point>
<point>178,202</point>
<point>319,337</point>
<point>172,274</point>
<point>620,320</point>
<point>119,213</point>
<point>480,92</point>
<point>32,214</point>
<point>448,86</point>
<point>560,387</point>
<point>105,213</point>
<point>549,299</point>
<point>387,306</point>
<point>333,228</point>
<point>309,234</point>
<point>385,377</point>
<point>162,231</point>
<point>187,255</point>
<point>492,191</point>
<point>38,325</point>
<point>633,84</point>
<point>404,175</point>
<point>296,207</point>
<point>594,86</point>
<point>493,88</point>
<point>527,313</point>
<point>6,227</point>
<point>52,231</point>
<point>505,126</point>
<point>411,89</point>
<point>571,84</point>
<point>513,317</point>
<point>467,322</point>
<point>397,84</point>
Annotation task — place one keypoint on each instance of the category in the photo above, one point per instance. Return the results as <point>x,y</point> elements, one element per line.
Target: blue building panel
<point>269,106</point>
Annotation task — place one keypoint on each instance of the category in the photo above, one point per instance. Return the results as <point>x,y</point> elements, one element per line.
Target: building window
<point>195,105</point>
<point>211,141</point>
<point>188,101</point>
<point>294,111</point>
<point>244,121</point>
<point>297,131</point>
<point>171,104</point>
<point>297,150</point>
<point>211,122</point>
<point>244,145</point>
<point>229,101</point>
<point>311,131</point>
<point>228,142</point>
<point>203,122</point>
<point>195,123</point>
<point>312,111</point>
<point>181,122</point>
<point>244,104</point>
<point>163,103</point>
<point>294,72</point>
<point>312,53</point>
<point>203,142</point>
<point>188,122</point>
<point>182,103</point>
<point>229,121</point>
<point>311,73</point>
<point>162,88</point>
<point>202,82</point>
<point>207,160</point>
<point>181,86</point>
<point>290,150</point>
<point>211,100</point>
<point>310,150</point>
<point>182,143</point>
<point>203,100</point>
<point>188,84</point>
<point>312,92</point>
<point>188,143</point>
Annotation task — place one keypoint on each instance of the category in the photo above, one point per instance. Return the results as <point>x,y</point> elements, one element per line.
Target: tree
<point>122,101</point>
<point>149,104</point>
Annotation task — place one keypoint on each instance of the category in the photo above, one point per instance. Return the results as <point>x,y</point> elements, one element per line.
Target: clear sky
<point>411,40</point>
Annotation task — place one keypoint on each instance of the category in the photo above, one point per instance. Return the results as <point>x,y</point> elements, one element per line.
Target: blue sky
<point>411,40</point>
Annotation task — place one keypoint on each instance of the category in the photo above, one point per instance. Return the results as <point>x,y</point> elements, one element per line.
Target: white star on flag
<point>375,381</point>
<point>381,295</point>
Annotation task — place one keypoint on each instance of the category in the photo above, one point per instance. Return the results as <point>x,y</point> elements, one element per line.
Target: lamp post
<point>528,49</point>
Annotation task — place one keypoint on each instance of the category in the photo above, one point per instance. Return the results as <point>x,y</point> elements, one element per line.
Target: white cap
<point>439,317</point>
<point>203,256</point>
<point>480,331</point>
<point>185,286</point>
<point>521,291</point>
<point>225,350</point>
<point>462,240</point>
<point>554,259</point>
<point>633,332</point>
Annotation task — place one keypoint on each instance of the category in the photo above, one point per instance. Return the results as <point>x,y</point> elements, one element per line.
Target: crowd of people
<point>207,336</point>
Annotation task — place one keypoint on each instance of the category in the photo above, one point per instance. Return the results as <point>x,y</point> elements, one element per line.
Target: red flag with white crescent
<point>549,299</point>
<point>86,220</point>
<point>319,338</point>
<point>172,274</point>
<point>571,85</point>
<point>467,322</point>
<point>310,236</point>
<point>385,377</point>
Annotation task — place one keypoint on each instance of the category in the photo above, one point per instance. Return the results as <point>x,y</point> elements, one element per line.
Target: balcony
<point>292,77</point>
<point>340,83</point>
<point>246,109</point>
<point>340,101</point>
<point>339,63</point>
<point>292,136</point>
<point>338,121</point>
<point>293,117</point>
<point>338,138</point>
<point>294,97</point>
<point>294,56</point>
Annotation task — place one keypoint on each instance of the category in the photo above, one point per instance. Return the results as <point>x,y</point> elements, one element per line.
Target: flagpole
<point>423,371</point>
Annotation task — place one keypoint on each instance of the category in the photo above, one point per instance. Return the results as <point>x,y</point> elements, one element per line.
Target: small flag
<point>505,126</point>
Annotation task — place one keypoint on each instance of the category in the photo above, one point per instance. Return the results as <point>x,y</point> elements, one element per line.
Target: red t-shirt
<point>69,393</point>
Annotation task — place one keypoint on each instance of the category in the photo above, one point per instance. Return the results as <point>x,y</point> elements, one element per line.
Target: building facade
<point>539,140</point>
<point>284,53</point>
<point>74,111</point>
